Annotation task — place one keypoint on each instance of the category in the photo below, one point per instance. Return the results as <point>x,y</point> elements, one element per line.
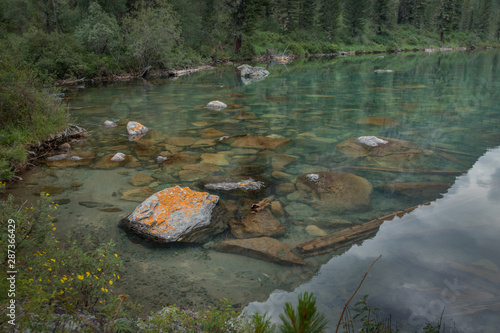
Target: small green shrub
<point>304,319</point>
<point>260,324</point>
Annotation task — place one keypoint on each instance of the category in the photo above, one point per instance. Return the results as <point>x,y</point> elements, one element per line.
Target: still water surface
<point>446,106</point>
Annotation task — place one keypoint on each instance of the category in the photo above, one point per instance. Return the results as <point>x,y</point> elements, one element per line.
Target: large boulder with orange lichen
<point>178,214</point>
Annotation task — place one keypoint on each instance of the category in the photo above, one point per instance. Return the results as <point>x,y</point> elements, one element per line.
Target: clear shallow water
<point>445,104</point>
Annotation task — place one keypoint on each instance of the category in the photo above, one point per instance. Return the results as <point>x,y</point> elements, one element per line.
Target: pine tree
<point>383,15</point>
<point>356,15</point>
<point>330,17</point>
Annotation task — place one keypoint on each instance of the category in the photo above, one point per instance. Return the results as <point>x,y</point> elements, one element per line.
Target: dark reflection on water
<point>439,257</point>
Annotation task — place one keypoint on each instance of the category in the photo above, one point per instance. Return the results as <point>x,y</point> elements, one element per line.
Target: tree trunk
<point>237,43</point>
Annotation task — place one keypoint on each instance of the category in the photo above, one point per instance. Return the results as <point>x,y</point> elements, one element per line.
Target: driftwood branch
<point>262,204</point>
<point>359,286</point>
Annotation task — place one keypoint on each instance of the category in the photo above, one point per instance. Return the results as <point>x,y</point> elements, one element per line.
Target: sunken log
<point>348,236</point>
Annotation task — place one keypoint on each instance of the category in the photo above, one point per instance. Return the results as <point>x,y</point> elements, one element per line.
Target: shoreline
<point>175,73</point>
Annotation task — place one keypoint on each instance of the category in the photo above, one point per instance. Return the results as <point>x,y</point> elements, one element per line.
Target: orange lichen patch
<point>175,210</point>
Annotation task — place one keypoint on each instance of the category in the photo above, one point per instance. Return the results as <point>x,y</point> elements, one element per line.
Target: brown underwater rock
<point>336,191</point>
<point>263,248</point>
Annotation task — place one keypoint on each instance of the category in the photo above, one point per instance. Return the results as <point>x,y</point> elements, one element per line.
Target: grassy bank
<point>30,111</point>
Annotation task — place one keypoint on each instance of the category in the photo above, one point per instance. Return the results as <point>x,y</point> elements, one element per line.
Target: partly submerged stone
<point>262,248</point>
<point>247,71</point>
<point>118,157</point>
<point>109,123</point>
<point>106,162</point>
<point>257,224</point>
<point>371,141</point>
<point>178,215</point>
<point>336,191</point>
<point>216,105</point>
<point>135,128</point>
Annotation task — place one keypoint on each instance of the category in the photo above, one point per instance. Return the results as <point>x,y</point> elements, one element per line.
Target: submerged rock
<point>260,142</point>
<point>71,160</point>
<point>337,191</point>
<point>136,194</point>
<point>315,231</point>
<point>384,152</point>
<point>135,128</point>
<point>263,248</point>
<point>211,133</point>
<point>178,215</point>
<point>216,105</point>
<point>141,179</point>
<point>51,190</point>
<point>378,121</point>
<point>257,224</point>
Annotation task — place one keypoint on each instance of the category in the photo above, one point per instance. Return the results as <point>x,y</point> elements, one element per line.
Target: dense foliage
<point>28,112</point>
<point>88,38</point>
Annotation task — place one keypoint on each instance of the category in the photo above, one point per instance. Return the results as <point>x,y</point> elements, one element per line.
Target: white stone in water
<point>222,138</point>
<point>75,158</point>
<point>109,123</point>
<point>56,157</point>
<point>312,177</point>
<point>371,141</point>
<point>118,157</point>
<point>216,105</point>
<point>160,159</point>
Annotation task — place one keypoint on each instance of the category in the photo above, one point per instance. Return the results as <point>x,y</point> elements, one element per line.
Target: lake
<point>439,113</point>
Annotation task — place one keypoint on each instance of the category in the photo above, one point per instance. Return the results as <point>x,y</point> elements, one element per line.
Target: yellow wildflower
<point>80,277</point>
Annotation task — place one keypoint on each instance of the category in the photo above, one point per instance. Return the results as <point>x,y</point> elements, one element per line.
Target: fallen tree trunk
<point>437,172</point>
<point>180,72</point>
<point>453,159</point>
<point>348,236</point>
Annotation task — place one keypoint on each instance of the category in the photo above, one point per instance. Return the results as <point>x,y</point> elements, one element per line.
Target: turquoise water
<point>445,105</point>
